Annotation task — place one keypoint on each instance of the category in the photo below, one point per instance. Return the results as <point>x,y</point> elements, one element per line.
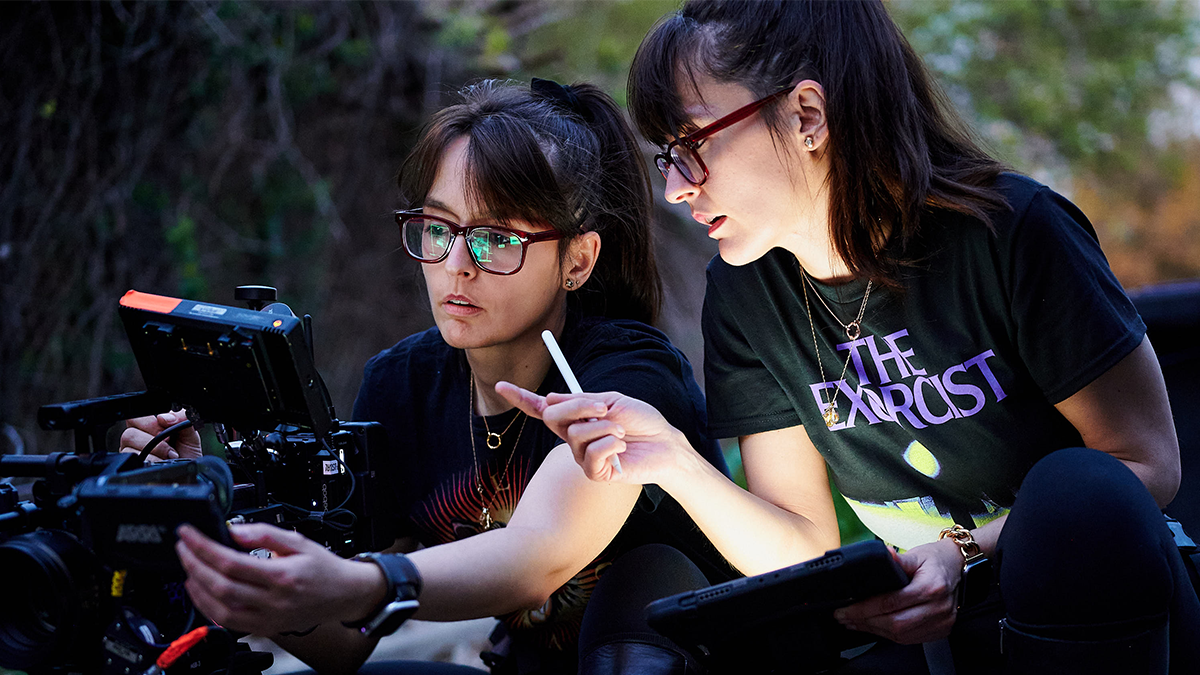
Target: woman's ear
<point>807,101</point>
<point>582,254</point>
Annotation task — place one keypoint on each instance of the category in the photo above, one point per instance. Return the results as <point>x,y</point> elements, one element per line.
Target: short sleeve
<point>744,397</point>
<point>1072,319</point>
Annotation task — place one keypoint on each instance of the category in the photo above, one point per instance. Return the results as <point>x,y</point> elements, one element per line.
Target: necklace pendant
<point>831,416</point>
<point>485,519</point>
<point>493,440</point>
<point>853,330</point>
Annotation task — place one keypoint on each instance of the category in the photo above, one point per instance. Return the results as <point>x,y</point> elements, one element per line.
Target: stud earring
<point>808,143</point>
<point>570,284</point>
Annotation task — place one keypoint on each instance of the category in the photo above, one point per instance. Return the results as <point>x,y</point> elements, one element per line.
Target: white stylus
<point>572,383</point>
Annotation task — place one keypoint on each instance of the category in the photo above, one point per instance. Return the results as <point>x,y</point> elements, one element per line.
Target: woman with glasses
<point>529,210</point>
<point>894,311</point>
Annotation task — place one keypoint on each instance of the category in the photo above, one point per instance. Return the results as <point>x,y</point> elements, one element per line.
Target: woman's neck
<point>816,255</point>
<point>523,362</point>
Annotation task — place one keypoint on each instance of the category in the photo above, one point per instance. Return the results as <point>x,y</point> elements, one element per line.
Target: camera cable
<point>165,433</point>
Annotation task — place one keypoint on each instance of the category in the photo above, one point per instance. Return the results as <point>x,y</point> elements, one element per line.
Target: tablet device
<point>781,620</point>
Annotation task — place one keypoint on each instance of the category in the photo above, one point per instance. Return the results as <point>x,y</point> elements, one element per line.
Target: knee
<point>1084,543</point>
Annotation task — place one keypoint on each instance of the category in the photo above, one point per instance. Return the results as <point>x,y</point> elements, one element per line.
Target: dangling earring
<point>808,143</point>
<point>570,284</point>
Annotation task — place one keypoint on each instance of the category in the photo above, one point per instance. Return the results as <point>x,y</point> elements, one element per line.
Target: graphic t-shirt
<point>419,391</point>
<point>949,391</point>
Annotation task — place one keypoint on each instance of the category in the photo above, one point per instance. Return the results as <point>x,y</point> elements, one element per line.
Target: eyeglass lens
<point>493,249</point>
<point>683,158</point>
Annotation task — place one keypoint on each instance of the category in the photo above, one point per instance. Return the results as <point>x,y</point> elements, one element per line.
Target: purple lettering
<point>981,361</point>
<point>856,404</point>
<point>937,383</point>
<point>856,358</point>
<point>903,407</point>
<point>924,408</point>
<point>881,360</point>
<point>877,406</point>
<point>905,354</point>
<point>963,390</point>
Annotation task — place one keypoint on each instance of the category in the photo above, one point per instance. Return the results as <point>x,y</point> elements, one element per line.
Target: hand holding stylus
<point>569,376</point>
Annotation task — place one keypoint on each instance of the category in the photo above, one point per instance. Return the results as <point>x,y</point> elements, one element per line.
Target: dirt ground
<point>454,642</point>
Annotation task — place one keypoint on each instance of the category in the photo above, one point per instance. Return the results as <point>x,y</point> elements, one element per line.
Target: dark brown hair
<point>572,163</point>
<point>897,147</point>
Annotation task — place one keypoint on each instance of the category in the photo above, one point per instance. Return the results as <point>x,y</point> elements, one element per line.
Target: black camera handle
<point>90,418</point>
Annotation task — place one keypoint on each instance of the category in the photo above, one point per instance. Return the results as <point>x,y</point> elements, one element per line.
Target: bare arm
<point>1125,413</point>
<point>562,523</point>
<point>786,517</point>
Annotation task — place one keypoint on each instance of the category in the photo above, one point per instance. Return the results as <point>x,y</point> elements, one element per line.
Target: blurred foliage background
<point>187,148</point>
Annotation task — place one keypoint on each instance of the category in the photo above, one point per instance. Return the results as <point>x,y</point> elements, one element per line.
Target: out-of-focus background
<point>187,148</point>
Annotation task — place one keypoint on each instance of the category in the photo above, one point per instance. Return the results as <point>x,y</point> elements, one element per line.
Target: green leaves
<point>1058,83</point>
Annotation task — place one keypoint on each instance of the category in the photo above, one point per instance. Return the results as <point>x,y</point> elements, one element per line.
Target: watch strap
<point>400,599</point>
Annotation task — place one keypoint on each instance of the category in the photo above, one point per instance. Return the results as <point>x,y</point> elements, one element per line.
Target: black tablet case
<point>782,620</point>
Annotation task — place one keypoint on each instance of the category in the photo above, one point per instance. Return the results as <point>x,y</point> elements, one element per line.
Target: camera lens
<point>51,599</point>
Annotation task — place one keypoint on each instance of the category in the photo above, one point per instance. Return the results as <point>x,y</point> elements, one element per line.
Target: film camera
<point>91,582</point>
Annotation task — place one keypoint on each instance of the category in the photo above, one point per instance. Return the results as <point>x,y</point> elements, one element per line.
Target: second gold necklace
<point>853,331</point>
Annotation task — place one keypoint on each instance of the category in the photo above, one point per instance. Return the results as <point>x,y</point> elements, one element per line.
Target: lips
<point>714,224</point>
<point>459,305</point>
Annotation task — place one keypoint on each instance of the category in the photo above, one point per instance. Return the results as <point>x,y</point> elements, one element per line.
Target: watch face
<point>977,579</point>
<point>390,618</point>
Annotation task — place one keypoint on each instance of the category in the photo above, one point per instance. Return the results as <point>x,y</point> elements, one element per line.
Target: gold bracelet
<point>966,541</point>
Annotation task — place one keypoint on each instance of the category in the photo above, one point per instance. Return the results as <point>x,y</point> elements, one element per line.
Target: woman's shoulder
<point>596,333</point>
<point>612,352</point>
<point>1031,201</point>
<point>418,349</point>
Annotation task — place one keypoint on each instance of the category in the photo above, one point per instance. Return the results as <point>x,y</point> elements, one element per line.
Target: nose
<point>678,188</point>
<point>458,260</point>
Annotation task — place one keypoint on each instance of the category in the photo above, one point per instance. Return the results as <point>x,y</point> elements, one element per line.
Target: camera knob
<point>255,296</point>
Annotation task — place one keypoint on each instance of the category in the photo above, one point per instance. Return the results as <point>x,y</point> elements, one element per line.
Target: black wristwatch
<point>400,602</point>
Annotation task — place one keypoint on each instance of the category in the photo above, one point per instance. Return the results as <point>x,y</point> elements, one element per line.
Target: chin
<point>459,336</point>
<point>738,255</point>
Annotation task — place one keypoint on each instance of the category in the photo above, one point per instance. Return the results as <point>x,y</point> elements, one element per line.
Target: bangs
<point>511,178</point>
<point>666,59</point>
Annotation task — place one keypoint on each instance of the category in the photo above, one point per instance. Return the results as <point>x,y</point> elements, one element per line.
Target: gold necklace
<point>485,515</point>
<point>853,330</point>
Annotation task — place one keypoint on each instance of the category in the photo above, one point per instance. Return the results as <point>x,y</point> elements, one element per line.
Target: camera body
<point>91,580</point>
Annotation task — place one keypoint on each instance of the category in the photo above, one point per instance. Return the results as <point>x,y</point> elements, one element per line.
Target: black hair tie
<point>560,95</point>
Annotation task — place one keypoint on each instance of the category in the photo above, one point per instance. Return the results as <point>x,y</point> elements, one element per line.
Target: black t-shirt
<point>419,391</point>
<point>948,397</point>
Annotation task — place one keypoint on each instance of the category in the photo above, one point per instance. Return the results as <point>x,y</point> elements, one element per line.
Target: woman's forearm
<point>755,535</point>
<point>488,574</point>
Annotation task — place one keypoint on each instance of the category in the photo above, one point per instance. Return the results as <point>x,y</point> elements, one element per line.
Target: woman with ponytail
<point>894,311</point>
<point>529,210</point>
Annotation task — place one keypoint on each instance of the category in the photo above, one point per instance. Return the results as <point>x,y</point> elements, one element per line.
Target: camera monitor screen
<point>239,367</point>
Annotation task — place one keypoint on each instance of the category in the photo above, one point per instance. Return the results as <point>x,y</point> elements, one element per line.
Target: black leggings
<point>1085,558</point>
<point>616,610</point>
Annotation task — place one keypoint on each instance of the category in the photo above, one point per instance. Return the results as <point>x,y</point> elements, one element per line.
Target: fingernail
<point>620,430</point>
<point>600,408</point>
<point>840,615</point>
